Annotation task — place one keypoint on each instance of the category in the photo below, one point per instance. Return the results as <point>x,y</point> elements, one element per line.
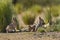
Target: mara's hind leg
<point>30,28</point>
<point>34,28</point>
<point>7,29</point>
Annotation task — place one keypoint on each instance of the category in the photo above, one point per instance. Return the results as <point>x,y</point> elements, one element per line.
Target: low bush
<point>35,9</point>
<point>18,8</point>
<point>57,25</point>
<point>5,14</point>
<point>55,11</point>
<point>41,29</point>
<point>28,18</point>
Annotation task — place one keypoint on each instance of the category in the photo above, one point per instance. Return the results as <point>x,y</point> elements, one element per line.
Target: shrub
<point>5,14</point>
<point>47,15</point>
<point>55,11</point>
<point>41,29</point>
<point>18,8</point>
<point>28,18</point>
<point>35,9</point>
<point>57,25</point>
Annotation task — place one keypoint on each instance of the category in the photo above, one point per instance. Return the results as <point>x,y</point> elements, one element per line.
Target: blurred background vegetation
<point>31,9</point>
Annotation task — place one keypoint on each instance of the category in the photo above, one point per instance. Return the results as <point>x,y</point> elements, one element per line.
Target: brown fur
<point>12,26</point>
<point>36,25</point>
<point>32,28</point>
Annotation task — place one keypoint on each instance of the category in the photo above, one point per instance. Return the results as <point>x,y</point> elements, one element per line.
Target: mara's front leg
<point>7,29</point>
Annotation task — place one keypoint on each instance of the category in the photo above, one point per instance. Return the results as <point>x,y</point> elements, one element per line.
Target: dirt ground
<point>30,36</point>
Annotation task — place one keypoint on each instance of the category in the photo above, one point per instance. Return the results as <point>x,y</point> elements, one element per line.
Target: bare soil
<point>30,36</point>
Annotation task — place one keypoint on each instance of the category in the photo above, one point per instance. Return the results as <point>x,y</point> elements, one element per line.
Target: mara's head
<point>41,21</point>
